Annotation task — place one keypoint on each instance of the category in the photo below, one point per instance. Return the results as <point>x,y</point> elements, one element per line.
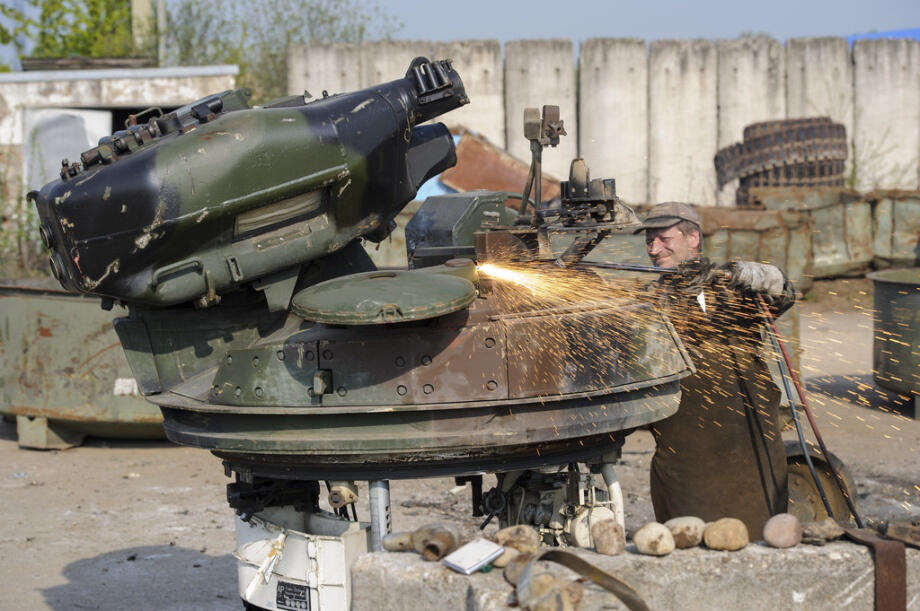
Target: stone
<point>609,538</point>
<point>819,533</point>
<point>515,567</point>
<point>654,539</point>
<point>782,530</point>
<point>686,530</point>
<point>727,534</point>
<point>521,537</point>
<point>547,592</point>
<point>507,556</point>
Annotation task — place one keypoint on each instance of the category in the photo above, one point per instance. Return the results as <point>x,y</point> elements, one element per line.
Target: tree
<point>66,28</point>
<point>256,36</point>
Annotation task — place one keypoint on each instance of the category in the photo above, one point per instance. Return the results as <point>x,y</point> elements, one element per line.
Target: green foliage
<point>68,28</point>
<point>256,36</point>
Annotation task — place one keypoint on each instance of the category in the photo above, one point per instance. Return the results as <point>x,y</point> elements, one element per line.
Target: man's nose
<point>653,247</point>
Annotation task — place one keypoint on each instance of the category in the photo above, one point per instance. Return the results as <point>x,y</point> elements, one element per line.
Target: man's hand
<point>758,278</point>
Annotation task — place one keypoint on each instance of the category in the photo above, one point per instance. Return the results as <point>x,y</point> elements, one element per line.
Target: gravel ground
<point>145,525</point>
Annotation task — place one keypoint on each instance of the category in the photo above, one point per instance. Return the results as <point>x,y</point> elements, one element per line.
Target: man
<point>721,454</point>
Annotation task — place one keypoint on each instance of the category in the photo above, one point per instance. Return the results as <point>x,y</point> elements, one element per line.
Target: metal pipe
<point>628,267</point>
<point>381,525</point>
<point>614,493</point>
<point>811,419</point>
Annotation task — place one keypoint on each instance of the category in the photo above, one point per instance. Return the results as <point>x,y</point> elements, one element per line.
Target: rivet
<point>491,384</point>
<point>281,355</point>
<point>401,390</point>
<point>342,391</point>
<point>400,361</point>
<point>229,359</point>
<point>428,389</point>
<point>426,360</point>
<point>309,355</point>
<point>255,361</point>
<point>258,391</point>
<point>490,342</point>
<point>327,354</point>
<point>238,391</point>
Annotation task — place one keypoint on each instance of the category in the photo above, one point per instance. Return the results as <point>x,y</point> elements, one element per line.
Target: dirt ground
<point>145,525</point>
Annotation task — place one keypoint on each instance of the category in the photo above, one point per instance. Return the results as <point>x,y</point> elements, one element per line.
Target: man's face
<point>668,247</point>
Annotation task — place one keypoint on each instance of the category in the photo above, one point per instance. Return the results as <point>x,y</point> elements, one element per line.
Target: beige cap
<point>667,214</point>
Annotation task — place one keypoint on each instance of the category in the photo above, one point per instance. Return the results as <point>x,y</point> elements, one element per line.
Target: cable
<point>774,333</point>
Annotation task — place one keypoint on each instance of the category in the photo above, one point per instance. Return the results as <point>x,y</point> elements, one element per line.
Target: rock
<point>397,542</point>
<point>819,533</point>
<point>687,531</point>
<point>654,539</point>
<point>543,591</point>
<point>521,537</point>
<point>515,567</point>
<point>782,530</point>
<point>727,534</point>
<point>609,538</point>
<point>507,556</point>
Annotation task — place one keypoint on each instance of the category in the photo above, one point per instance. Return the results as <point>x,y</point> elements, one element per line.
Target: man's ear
<point>694,239</point>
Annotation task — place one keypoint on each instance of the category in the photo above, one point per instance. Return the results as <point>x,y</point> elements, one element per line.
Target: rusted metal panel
<point>482,165</point>
<point>896,228</point>
<point>842,239</point>
<point>62,370</point>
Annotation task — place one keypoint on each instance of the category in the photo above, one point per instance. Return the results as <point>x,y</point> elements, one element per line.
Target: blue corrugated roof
<point>908,33</point>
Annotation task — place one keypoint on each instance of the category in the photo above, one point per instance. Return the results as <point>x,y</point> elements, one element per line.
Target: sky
<point>579,20</point>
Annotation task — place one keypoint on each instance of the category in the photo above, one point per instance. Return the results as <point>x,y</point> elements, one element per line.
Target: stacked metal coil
<point>788,153</point>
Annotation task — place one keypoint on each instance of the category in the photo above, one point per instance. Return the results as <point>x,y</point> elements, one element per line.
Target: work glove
<point>757,278</point>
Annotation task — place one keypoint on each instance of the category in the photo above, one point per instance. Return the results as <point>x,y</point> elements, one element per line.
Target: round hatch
<point>382,297</point>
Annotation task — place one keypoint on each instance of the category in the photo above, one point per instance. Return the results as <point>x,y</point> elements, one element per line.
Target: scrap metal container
<point>895,228</point>
<point>896,348</point>
<point>63,374</point>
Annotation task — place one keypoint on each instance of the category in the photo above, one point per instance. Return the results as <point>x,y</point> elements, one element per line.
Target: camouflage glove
<point>758,278</point>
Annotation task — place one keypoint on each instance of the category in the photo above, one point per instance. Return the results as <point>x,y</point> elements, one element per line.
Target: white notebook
<point>471,557</point>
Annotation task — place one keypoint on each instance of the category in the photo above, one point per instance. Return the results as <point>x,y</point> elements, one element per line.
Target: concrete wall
<point>886,117</point>
<point>752,88</point>
<point>653,116</point>
<point>613,113</point>
<point>682,121</point>
<point>540,72</point>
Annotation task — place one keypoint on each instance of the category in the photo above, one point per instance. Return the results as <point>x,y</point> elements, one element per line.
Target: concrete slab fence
<point>653,114</point>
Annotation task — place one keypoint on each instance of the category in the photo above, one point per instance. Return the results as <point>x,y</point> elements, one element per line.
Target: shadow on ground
<point>860,390</point>
<point>151,577</point>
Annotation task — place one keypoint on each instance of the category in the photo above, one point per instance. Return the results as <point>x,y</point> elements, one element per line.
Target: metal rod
<point>630,267</point>
<point>811,419</point>
<point>614,493</point>
<point>380,512</point>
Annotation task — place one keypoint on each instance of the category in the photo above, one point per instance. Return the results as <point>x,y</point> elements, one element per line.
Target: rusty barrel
<point>63,374</point>
<point>896,348</point>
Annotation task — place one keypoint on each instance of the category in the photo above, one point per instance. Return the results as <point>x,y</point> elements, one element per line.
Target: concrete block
<point>819,81</point>
<point>682,121</point>
<point>752,88</point>
<point>539,72</point>
<point>613,113</point>
<point>479,63</point>
<point>334,67</point>
<point>838,575</point>
<point>886,119</point>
